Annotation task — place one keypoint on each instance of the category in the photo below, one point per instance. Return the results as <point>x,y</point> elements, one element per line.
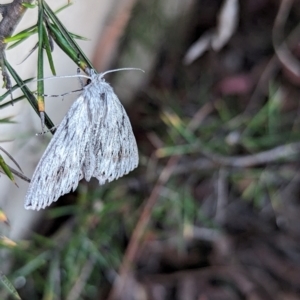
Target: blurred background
<point>212,211</point>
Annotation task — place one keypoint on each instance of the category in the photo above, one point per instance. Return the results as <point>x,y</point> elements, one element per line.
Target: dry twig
<point>135,241</point>
<point>11,13</point>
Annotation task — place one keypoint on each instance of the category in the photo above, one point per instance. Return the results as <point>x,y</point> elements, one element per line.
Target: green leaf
<point>8,93</point>
<point>35,264</point>
<point>9,286</point>
<point>48,50</point>
<point>15,44</point>
<point>63,7</point>
<point>11,158</point>
<point>7,120</point>
<point>52,284</point>
<point>6,169</point>
<point>78,37</point>
<point>20,175</point>
<point>31,29</point>
<point>21,35</point>
<point>28,94</point>
<point>29,5</point>
<point>40,69</point>
<point>12,102</point>
<point>64,40</point>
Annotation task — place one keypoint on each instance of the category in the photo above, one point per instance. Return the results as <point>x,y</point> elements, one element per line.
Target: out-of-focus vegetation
<point>213,210</point>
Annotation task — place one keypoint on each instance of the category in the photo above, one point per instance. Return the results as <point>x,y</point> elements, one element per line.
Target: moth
<point>94,139</point>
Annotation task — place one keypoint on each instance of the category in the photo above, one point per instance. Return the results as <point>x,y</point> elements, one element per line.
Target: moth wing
<point>59,170</point>
<point>115,146</point>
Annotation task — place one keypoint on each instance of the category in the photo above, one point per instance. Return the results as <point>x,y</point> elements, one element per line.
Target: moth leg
<point>62,95</point>
<point>80,79</point>
<point>52,129</point>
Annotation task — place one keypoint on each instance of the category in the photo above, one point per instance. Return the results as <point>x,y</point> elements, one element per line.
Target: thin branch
<point>80,283</point>
<point>136,238</point>
<point>282,51</point>
<point>213,161</point>
<point>12,13</point>
<point>222,195</point>
<point>264,157</point>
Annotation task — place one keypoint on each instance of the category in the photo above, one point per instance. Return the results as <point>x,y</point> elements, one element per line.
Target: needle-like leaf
<point>8,93</point>
<point>48,50</point>
<point>22,34</point>
<point>29,95</point>
<point>66,41</point>
<point>40,67</point>
<point>6,169</point>
<point>9,286</point>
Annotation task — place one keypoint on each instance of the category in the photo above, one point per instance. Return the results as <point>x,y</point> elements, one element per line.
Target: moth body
<point>94,139</point>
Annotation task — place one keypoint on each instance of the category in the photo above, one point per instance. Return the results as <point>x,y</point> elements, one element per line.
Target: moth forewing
<point>94,139</point>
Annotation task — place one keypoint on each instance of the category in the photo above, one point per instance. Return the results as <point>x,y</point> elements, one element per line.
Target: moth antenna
<point>122,69</point>
<point>79,78</point>
<point>52,129</point>
<point>85,76</point>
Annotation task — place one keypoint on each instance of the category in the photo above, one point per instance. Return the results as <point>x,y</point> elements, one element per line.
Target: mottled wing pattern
<point>115,148</point>
<point>59,169</point>
<point>94,139</point>
<point>113,145</point>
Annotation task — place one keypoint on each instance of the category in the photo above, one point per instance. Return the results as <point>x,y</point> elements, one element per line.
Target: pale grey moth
<point>94,139</point>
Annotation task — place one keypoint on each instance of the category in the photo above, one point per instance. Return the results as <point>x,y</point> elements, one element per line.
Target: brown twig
<point>263,157</point>
<point>112,33</point>
<point>214,160</point>
<point>135,241</point>
<point>282,51</point>
<point>222,196</point>
<point>80,283</point>
<point>11,13</point>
